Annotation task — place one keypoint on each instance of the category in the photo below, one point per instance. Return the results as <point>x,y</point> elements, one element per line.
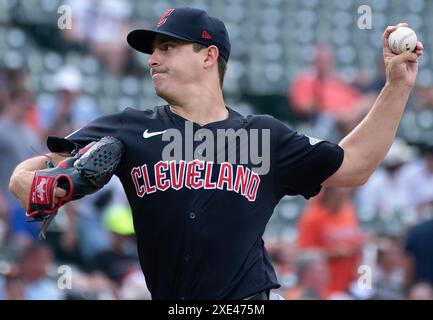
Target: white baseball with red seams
<point>403,39</point>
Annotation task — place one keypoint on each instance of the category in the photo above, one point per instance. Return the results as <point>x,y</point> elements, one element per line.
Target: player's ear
<point>212,54</point>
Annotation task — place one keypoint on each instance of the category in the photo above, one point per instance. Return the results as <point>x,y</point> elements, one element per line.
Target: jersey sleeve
<point>108,125</point>
<point>303,163</point>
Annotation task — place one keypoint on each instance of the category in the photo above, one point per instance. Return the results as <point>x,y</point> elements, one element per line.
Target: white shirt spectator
<point>100,20</point>
<point>418,181</point>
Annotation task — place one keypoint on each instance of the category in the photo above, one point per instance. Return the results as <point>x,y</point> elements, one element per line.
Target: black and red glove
<point>82,174</point>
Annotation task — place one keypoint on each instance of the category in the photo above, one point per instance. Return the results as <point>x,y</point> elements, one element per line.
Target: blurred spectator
<point>329,223</point>
<point>18,80</point>
<point>121,257</point>
<point>421,291</point>
<point>322,89</point>
<point>134,286</point>
<point>4,96</point>
<point>282,255</point>
<point>101,26</point>
<point>35,264</point>
<point>312,277</point>
<point>372,86</point>
<point>93,236</point>
<point>422,98</point>
<point>14,288</point>
<point>90,286</point>
<point>388,276</point>
<point>419,253</point>
<point>10,248</point>
<point>417,177</point>
<point>385,194</point>
<point>69,111</point>
<point>4,206</point>
<point>12,285</point>
<point>62,236</point>
<point>17,143</point>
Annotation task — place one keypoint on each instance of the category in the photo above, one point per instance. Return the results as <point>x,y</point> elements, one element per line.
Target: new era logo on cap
<point>206,35</point>
<point>187,24</point>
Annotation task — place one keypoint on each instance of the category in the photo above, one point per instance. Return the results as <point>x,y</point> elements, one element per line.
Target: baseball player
<point>199,218</point>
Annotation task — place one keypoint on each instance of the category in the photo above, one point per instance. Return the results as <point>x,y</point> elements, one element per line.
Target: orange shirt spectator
<point>322,90</point>
<point>331,225</point>
<point>327,95</point>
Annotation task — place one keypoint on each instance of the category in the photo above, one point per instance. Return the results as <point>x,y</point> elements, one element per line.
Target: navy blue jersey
<point>199,223</point>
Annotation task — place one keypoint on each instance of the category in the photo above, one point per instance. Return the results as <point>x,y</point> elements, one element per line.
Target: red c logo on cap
<point>163,18</point>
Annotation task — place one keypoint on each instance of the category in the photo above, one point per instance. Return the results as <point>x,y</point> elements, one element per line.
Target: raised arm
<point>366,146</point>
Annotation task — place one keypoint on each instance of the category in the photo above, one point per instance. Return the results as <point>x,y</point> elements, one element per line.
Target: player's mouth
<point>157,74</point>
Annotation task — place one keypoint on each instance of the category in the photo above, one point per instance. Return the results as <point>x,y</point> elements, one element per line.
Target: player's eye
<point>166,46</point>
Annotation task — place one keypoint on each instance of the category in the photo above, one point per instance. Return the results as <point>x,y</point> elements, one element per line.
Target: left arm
<point>366,146</point>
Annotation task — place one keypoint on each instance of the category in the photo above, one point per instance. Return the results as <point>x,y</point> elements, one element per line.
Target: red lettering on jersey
<point>136,174</point>
<point>196,181</point>
<point>253,186</point>
<point>241,181</point>
<point>177,178</point>
<point>149,188</point>
<point>208,176</point>
<point>226,176</point>
<point>189,174</point>
<point>195,175</point>
<point>162,183</point>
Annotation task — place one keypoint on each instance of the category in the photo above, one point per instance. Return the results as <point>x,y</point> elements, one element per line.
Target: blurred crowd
<point>334,255</point>
<point>90,251</point>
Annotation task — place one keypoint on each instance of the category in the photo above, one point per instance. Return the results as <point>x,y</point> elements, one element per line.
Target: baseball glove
<point>84,173</point>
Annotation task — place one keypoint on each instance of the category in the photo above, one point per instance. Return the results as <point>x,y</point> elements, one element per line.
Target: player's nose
<point>153,60</point>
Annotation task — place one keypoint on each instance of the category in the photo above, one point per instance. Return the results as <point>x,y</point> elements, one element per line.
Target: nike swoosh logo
<point>147,135</point>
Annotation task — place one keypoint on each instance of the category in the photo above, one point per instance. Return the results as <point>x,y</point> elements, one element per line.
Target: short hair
<point>222,63</point>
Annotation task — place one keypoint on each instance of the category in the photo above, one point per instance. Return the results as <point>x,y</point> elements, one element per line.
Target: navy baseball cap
<point>188,24</point>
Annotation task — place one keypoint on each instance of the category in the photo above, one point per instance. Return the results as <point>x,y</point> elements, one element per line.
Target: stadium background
<point>54,81</point>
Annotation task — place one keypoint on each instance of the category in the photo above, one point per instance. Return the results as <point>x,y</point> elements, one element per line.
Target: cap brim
<point>142,40</point>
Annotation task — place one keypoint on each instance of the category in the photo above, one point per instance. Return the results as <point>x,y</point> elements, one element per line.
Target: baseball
<point>402,39</point>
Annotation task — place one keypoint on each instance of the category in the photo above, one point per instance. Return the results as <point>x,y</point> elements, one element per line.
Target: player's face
<point>175,68</point>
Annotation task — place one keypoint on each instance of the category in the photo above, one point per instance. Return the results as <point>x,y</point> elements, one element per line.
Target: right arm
<point>22,177</point>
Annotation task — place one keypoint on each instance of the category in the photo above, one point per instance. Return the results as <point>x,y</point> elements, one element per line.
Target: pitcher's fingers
<point>419,46</point>
<point>419,49</point>
<point>403,24</point>
<point>386,34</point>
<point>60,192</point>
